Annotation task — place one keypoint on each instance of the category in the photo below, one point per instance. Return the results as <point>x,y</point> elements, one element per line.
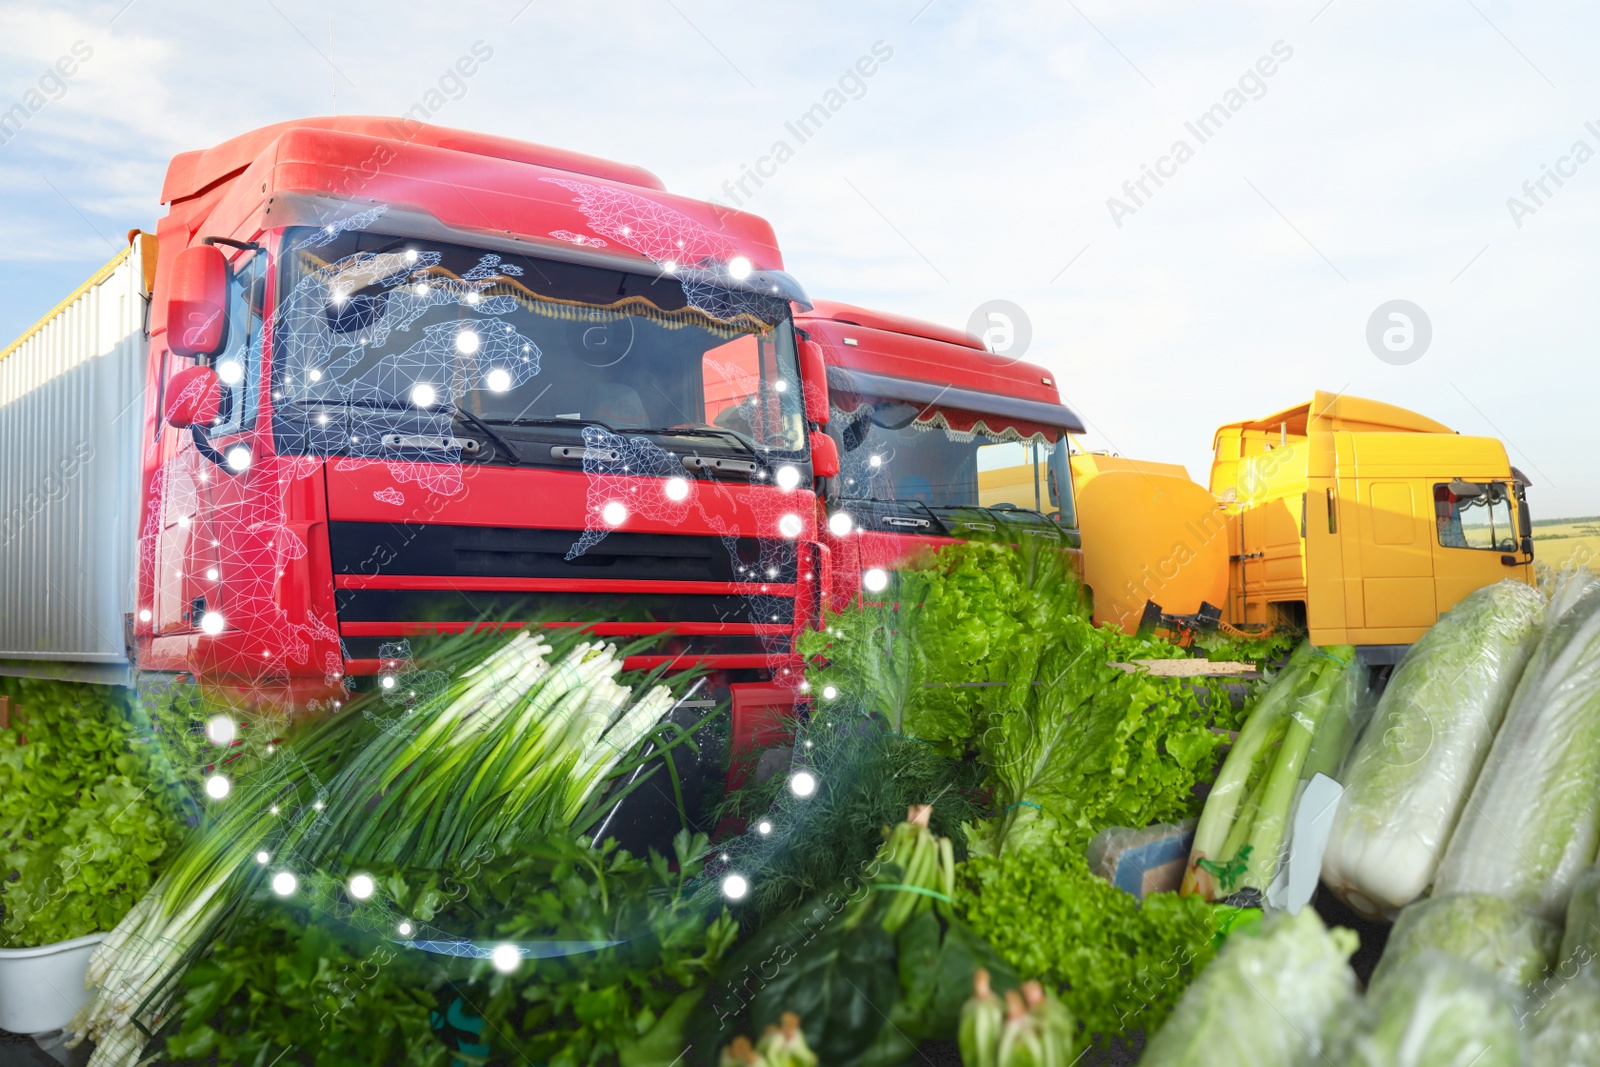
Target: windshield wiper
<point>696,431</point>
<point>466,416</point>
<point>455,411</point>
<point>576,424</point>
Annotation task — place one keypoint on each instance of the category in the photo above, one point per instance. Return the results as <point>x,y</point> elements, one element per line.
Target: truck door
<point>1397,578</point>
<point>205,508</point>
<point>1478,538</point>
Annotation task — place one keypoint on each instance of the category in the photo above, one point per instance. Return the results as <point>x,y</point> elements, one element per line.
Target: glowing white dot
<point>473,297</point>
<point>803,784</point>
<point>411,255</point>
<point>677,489</point>
<point>423,395</point>
<point>788,477</point>
<point>669,266</point>
<point>781,386</point>
<point>505,958</point>
<point>764,827</point>
<point>840,522</point>
<point>144,614</point>
<point>183,522</point>
<point>876,461</point>
<point>315,376</point>
<point>829,692</point>
<point>387,681</point>
<point>362,886</point>
<point>211,623</point>
<point>221,730</point>
<point>735,886</point>
<point>273,810</point>
<point>739,268</point>
<point>217,787</point>
<point>262,857</point>
<point>211,574</point>
<point>231,371</point>
<point>318,805</point>
<point>498,380</point>
<point>614,513</point>
<point>791,526</point>
<point>405,929</point>
<point>339,297</point>
<point>467,342</point>
<point>238,458</point>
<point>322,420</point>
<point>284,883</point>
<point>422,288</point>
<point>876,580</point>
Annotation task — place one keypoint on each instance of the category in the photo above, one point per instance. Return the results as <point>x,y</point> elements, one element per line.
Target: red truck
<point>940,441</point>
<point>384,379</point>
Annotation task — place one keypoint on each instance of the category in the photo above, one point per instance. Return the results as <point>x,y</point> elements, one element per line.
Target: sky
<point>1357,153</point>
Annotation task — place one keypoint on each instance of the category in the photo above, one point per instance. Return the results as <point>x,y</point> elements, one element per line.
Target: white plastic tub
<point>41,989</point>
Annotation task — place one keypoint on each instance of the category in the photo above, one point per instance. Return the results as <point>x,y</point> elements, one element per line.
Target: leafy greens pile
<point>290,982</point>
<point>86,817</point>
<point>990,650</point>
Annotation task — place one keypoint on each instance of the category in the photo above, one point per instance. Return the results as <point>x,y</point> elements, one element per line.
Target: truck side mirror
<point>197,302</point>
<point>194,396</point>
<point>814,379</point>
<point>824,456</point>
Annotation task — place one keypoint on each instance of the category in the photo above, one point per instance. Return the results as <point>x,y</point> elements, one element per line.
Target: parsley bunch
<point>1120,965</point>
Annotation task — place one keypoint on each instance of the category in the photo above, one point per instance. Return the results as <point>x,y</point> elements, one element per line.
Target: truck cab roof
<point>1330,412</point>
<point>190,173</point>
<point>895,357</point>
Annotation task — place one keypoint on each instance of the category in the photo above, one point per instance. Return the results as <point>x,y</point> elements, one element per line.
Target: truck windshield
<point>890,454</point>
<point>377,330</point>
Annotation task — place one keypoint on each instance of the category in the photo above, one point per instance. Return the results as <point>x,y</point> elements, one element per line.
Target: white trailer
<point>71,419</point>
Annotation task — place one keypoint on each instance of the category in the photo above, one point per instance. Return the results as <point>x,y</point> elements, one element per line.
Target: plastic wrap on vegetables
<point>1411,772</point>
<point>1580,944</point>
<point>1533,822</point>
<point>1239,842</point>
<point>1570,584</point>
<point>1267,1000</point>
<point>1435,1012</point>
<point>1566,1030</point>
<point>1492,934</point>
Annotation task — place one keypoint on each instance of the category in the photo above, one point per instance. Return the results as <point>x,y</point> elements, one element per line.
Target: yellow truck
<point>1356,520</point>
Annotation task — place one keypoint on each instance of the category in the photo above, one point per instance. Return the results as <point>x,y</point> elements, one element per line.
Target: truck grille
<point>509,552</point>
<point>716,600</point>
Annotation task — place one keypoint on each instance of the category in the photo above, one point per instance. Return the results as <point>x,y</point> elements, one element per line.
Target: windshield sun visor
<point>309,209</point>
<point>882,386</point>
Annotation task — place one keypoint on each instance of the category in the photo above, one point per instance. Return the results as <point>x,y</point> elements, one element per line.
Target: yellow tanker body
<point>1149,534</point>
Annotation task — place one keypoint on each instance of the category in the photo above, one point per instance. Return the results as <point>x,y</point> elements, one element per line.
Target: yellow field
<point>1561,543</point>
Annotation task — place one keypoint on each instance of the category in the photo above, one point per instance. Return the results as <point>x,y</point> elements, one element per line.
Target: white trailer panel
<point>71,418</point>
